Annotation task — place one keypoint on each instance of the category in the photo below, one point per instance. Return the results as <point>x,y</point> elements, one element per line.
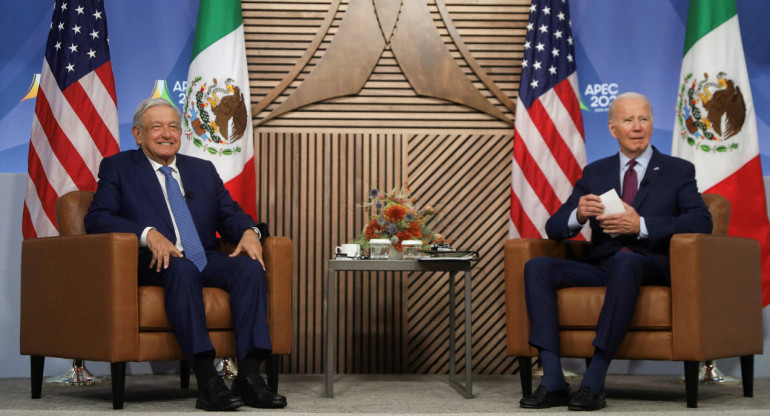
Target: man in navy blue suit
<point>630,249</point>
<point>175,204</point>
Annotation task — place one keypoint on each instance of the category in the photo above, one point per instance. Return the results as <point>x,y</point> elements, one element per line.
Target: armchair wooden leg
<point>184,374</point>
<point>747,374</point>
<point>273,368</point>
<point>691,382</point>
<point>118,373</point>
<point>525,372</point>
<point>36,364</point>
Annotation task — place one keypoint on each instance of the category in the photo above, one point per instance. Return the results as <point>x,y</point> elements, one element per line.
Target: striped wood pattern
<point>316,164</point>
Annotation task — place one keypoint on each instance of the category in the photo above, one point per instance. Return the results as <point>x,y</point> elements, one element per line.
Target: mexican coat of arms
<point>215,116</point>
<point>710,112</point>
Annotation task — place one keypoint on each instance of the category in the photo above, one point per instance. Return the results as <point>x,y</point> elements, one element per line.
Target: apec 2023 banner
<point>621,46</point>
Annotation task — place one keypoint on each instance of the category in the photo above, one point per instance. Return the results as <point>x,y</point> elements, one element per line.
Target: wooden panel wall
<point>317,161</point>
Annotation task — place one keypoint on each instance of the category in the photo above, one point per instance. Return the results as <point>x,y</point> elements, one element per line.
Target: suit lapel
<point>651,175</point>
<point>149,180</point>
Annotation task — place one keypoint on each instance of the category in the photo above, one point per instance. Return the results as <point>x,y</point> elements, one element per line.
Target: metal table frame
<point>450,266</point>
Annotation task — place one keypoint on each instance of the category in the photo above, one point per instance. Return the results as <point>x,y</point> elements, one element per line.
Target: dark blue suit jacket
<point>129,198</point>
<point>668,199</point>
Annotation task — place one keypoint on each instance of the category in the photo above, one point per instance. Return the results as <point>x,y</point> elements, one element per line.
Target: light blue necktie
<point>193,249</point>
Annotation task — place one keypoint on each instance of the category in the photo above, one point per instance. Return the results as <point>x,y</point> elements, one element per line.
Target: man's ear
<point>135,132</point>
<point>612,129</point>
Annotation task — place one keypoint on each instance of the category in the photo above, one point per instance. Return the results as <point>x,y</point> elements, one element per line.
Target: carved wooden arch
<point>353,54</point>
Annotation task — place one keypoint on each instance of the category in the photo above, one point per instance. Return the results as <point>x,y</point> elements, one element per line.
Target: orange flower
<point>402,236</point>
<point>415,230</point>
<point>372,230</point>
<point>395,213</point>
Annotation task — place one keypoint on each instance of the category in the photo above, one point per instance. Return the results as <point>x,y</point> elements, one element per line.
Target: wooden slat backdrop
<point>317,163</point>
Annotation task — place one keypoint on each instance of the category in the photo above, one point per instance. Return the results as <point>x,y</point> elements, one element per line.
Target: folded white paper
<point>612,204</point>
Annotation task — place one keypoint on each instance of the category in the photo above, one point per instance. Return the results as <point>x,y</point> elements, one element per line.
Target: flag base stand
<point>710,374</point>
<point>227,368</point>
<point>77,375</point>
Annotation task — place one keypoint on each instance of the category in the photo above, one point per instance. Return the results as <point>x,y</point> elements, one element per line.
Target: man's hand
<point>589,206</point>
<point>622,223</point>
<point>250,245</point>
<point>161,249</point>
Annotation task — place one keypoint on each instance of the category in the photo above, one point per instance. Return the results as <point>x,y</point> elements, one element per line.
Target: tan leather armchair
<point>80,299</point>
<point>712,310</point>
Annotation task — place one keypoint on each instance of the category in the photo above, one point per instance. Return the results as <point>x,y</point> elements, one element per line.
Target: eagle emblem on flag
<point>710,112</point>
<point>215,116</point>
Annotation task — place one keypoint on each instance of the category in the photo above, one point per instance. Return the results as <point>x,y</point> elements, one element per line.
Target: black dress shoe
<point>543,399</point>
<point>255,392</point>
<point>586,399</point>
<point>213,395</point>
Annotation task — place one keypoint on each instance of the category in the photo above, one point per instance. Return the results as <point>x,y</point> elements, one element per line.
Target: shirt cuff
<point>573,224</point>
<point>143,237</point>
<point>643,234</point>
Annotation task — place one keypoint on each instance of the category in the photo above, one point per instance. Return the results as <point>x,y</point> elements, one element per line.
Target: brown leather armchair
<point>713,308</point>
<point>80,299</point>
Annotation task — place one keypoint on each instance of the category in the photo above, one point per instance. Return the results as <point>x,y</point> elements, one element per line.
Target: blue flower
<point>391,229</point>
<point>409,216</point>
<point>374,193</point>
<point>378,205</point>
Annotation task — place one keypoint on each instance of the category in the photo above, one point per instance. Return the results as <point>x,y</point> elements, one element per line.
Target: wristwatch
<point>259,233</point>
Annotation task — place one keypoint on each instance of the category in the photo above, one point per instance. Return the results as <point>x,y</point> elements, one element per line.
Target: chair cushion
<point>152,312</point>
<point>579,308</point>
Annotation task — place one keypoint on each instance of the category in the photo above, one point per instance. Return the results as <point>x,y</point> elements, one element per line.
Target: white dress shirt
<point>162,179</point>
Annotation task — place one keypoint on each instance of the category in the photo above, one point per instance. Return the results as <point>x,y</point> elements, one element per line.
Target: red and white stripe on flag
<point>548,144</point>
<point>76,118</point>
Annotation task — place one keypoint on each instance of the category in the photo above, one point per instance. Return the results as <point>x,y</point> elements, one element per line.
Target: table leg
<point>452,330</point>
<point>330,312</point>
<point>468,333</point>
<point>466,389</point>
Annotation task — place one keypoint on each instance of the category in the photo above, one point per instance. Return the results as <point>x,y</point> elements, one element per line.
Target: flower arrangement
<point>396,217</point>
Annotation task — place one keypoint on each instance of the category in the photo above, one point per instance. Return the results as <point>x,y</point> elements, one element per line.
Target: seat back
<point>719,207</point>
<point>71,209</point>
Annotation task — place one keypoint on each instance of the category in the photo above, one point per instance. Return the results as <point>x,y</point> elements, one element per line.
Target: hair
<point>148,103</point>
<point>611,113</point>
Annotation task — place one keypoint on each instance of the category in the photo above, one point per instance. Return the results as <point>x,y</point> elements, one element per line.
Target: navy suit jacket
<point>668,199</point>
<point>129,198</point>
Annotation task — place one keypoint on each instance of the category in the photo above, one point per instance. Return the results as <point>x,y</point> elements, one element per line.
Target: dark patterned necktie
<point>630,184</point>
<point>193,249</point>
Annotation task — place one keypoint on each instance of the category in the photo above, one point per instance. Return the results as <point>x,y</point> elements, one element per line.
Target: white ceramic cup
<point>348,250</point>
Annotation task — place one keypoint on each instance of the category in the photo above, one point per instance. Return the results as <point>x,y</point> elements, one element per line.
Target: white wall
<point>12,188</point>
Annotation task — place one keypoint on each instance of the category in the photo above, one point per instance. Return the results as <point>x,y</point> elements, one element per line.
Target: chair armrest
<point>716,292</point>
<point>79,297</point>
<point>277,253</point>
<point>517,252</point>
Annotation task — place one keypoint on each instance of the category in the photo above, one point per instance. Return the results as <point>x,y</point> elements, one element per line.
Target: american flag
<point>76,116</point>
<point>548,145</point>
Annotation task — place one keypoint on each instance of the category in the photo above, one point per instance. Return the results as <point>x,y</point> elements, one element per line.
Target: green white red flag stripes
<point>217,110</point>
<point>715,125</point>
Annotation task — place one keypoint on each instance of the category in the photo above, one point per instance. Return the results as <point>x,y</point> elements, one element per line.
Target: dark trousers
<point>240,276</point>
<point>623,274</point>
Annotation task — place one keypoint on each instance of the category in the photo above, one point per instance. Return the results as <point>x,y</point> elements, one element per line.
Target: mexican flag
<point>715,125</point>
<point>217,110</point>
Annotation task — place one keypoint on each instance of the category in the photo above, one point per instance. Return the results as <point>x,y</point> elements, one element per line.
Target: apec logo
<point>600,96</point>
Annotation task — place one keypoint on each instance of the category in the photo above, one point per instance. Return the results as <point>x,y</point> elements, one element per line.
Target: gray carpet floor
<point>384,394</point>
